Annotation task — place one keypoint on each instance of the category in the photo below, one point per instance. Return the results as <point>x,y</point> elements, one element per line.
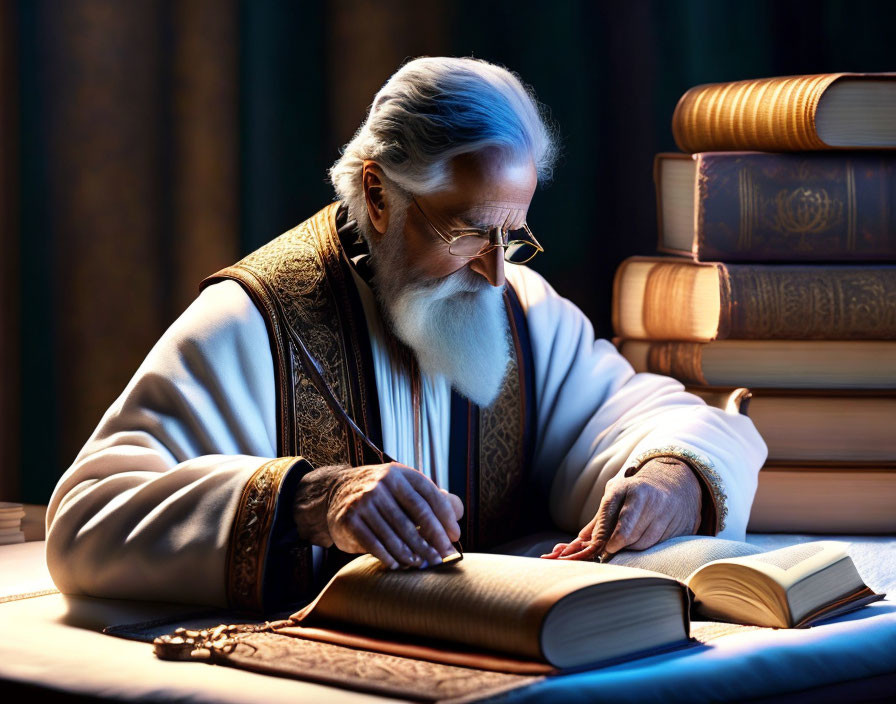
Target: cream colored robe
<point>146,509</point>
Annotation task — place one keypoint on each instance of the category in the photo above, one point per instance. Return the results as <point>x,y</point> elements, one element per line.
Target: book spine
<point>808,302</point>
<point>770,114</point>
<point>808,207</point>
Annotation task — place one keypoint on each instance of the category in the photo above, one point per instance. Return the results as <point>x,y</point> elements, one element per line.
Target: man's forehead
<point>488,185</point>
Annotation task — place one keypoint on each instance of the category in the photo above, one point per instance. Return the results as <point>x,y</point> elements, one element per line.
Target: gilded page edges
<point>681,360</point>
<point>251,532</point>
<point>667,281</point>
<point>773,114</point>
<point>615,313</point>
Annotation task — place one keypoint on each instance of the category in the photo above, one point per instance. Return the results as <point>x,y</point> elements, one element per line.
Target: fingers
<point>456,504</point>
<point>574,546</point>
<point>555,551</point>
<point>631,524</point>
<point>397,548</point>
<point>578,543</point>
<point>654,533</point>
<point>604,524</point>
<point>430,509</point>
<point>395,513</point>
<point>399,522</point>
<point>370,543</point>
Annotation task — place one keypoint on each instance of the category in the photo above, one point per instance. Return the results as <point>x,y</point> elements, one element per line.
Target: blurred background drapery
<point>145,144</point>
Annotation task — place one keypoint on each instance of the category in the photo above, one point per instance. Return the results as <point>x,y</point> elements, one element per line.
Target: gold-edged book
<point>789,113</point>
<point>670,298</point>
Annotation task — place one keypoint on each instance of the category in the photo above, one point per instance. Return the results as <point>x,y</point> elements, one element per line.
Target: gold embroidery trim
<point>703,466</point>
<point>250,533</point>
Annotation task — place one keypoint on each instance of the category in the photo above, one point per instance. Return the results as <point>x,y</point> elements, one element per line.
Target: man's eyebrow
<point>478,216</point>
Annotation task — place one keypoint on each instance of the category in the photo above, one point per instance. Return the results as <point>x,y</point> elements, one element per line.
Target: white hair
<point>436,108</point>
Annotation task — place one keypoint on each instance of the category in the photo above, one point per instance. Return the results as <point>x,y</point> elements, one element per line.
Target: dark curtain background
<point>145,144</point>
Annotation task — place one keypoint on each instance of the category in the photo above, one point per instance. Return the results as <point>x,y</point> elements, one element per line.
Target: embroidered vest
<point>327,408</point>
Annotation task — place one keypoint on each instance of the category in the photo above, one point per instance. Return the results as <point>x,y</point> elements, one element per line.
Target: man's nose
<point>491,266</point>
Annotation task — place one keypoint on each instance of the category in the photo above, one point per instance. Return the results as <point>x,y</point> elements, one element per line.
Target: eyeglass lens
<point>519,250</point>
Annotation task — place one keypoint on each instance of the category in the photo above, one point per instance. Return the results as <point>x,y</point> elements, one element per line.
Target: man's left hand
<point>661,501</point>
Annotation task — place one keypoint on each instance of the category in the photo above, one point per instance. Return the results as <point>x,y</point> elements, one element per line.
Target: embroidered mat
<point>361,670</point>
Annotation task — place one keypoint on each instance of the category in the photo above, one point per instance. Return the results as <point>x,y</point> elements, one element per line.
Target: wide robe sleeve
<point>596,418</point>
<point>179,494</point>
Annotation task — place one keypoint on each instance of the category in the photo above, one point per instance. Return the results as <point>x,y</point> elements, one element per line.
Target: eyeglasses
<point>519,245</point>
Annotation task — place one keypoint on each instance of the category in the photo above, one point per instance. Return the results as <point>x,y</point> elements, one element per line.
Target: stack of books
<point>11,515</point>
<point>781,216</point>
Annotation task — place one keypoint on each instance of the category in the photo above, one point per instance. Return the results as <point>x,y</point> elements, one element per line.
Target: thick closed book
<point>559,614</point>
<point>756,206</point>
<point>787,364</point>
<point>668,298</point>
<point>825,497</point>
<point>789,113</point>
<point>812,426</point>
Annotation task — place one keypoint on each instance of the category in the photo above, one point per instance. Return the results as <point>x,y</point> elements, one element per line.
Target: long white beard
<point>456,326</point>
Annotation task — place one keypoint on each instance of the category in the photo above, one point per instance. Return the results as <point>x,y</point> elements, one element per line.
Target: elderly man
<point>387,377</point>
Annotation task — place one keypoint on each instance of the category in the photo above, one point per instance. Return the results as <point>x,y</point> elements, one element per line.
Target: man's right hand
<point>389,510</point>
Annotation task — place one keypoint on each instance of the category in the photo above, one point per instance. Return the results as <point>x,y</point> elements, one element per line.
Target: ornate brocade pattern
<point>501,459</point>
<point>811,303</point>
<point>292,265</point>
<point>387,675</point>
<point>250,532</point>
<point>701,465</point>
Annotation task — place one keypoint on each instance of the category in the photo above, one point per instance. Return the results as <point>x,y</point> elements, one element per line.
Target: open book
<point>791,587</point>
<point>572,614</point>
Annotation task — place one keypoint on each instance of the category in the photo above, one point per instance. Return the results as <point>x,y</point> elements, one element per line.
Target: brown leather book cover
<point>755,206</point>
<point>809,302</point>
<point>754,301</point>
<point>769,114</point>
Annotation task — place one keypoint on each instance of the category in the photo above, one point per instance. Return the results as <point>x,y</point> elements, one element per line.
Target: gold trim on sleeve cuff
<point>251,532</point>
<point>703,466</point>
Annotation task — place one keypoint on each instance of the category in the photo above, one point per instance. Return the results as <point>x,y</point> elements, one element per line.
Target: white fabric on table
<point>52,641</point>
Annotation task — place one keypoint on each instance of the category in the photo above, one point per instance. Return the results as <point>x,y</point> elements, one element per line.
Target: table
<point>53,643</point>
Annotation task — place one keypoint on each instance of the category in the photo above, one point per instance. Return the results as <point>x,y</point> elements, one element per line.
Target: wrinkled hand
<point>389,510</point>
<point>661,501</point>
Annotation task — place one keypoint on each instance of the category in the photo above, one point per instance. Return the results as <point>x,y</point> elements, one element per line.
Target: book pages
<point>787,566</point>
<point>680,557</point>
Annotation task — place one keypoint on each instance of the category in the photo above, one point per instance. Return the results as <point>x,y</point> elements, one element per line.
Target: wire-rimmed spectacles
<point>520,245</point>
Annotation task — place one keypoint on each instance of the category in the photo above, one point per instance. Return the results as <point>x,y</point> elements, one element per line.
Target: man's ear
<point>372,179</point>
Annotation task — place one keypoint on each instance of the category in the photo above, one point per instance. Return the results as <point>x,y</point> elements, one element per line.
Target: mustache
<point>462,282</point>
